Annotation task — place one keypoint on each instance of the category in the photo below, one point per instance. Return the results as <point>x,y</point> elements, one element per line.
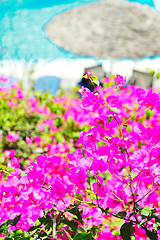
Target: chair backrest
<point>48,83</point>
<point>142,79</point>
<point>96,71</point>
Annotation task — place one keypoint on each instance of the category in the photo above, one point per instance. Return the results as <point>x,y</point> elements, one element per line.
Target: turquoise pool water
<point>149,2</point>
<point>22,22</point>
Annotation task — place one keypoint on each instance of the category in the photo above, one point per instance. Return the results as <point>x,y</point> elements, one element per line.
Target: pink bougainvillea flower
<point>99,166</point>
<point>78,160</point>
<point>141,233</point>
<point>58,190</point>
<point>91,102</point>
<point>116,197</point>
<point>78,176</point>
<point>89,73</point>
<point>107,234</point>
<point>28,140</point>
<point>23,224</point>
<point>4,80</point>
<point>41,127</point>
<point>84,91</point>
<point>105,80</point>
<point>9,153</point>
<point>150,99</point>
<point>15,162</point>
<point>37,139</point>
<point>140,94</point>
<point>13,137</point>
<point>131,160</point>
<point>112,101</point>
<point>120,81</point>
<point>13,103</point>
<point>99,188</point>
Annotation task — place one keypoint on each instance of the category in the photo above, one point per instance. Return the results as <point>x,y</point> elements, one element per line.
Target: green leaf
<point>72,224</point>
<point>23,174</point>
<point>79,197</point>
<point>83,236</point>
<point>133,175</point>
<point>152,234</point>
<point>7,238</point>
<point>122,214</point>
<point>84,76</point>
<point>114,109</point>
<point>126,138</point>
<point>2,167</point>
<point>38,223</point>
<point>138,208</point>
<point>77,212</point>
<point>131,214</point>
<point>47,210</point>
<point>3,228</point>
<point>157,219</point>
<point>156,226</point>
<point>127,230</point>
<point>158,75</point>
<point>48,223</point>
<point>10,169</point>
<point>149,114</point>
<point>152,72</point>
<point>141,223</point>
<point>16,233</point>
<point>147,212</point>
<point>95,80</point>
<point>14,221</point>
<point>46,220</point>
<point>127,127</point>
<point>123,150</point>
<point>68,235</point>
<point>109,118</point>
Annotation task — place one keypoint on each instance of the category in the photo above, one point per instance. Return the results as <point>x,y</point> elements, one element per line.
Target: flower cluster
<point>113,174</point>
<point>38,124</point>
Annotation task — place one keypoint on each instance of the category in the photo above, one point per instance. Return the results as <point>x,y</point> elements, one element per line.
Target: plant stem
<point>132,116</point>
<point>134,202</point>
<point>145,195</point>
<point>54,227</point>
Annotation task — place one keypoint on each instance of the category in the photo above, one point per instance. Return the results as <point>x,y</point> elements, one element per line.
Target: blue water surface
<point>149,2</point>
<point>22,22</point>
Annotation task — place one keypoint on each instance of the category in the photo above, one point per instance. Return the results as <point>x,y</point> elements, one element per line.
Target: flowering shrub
<point>107,189</point>
<point>38,124</point>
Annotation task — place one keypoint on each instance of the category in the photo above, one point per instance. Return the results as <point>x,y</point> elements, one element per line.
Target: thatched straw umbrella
<point>108,29</point>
